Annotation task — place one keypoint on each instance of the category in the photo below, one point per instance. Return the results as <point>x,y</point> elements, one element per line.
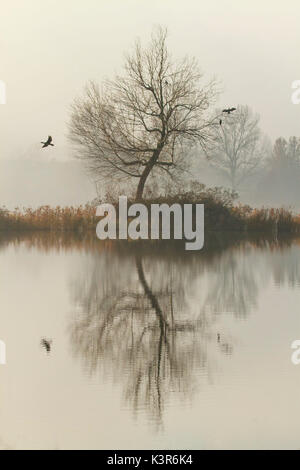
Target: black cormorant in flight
<point>228,110</point>
<point>46,343</point>
<point>48,142</point>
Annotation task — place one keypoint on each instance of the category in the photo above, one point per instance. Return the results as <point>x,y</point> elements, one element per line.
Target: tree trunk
<point>146,172</point>
<point>233,180</point>
<point>141,185</point>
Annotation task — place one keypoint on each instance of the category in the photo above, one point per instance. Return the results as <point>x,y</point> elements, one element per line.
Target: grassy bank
<point>221,214</point>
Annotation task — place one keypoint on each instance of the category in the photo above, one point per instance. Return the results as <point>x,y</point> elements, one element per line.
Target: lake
<point>150,347</point>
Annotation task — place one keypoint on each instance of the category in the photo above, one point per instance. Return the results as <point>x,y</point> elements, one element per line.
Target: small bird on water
<point>46,343</point>
<point>48,142</point>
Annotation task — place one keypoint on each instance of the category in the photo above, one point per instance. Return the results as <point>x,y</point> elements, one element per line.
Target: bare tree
<point>286,153</point>
<point>238,147</point>
<point>139,121</point>
<point>280,180</point>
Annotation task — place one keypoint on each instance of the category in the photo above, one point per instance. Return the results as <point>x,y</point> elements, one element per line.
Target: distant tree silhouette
<point>238,148</point>
<point>286,153</point>
<point>280,182</point>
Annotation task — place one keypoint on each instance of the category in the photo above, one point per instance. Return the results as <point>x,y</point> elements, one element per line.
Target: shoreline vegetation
<point>221,213</point>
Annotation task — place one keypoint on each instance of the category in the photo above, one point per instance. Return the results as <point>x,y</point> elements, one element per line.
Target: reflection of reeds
<point>87,242</point>
<point>219,216</point>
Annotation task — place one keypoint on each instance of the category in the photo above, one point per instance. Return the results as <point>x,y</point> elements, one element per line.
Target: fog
<point>50,49</point>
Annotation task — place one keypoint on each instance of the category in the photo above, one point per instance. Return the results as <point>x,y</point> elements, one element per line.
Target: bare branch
<point>141,118</point>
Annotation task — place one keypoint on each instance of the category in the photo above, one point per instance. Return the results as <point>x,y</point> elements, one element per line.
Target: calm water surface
<point>150,348</point>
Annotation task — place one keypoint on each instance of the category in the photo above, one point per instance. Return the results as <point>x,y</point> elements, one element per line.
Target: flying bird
<point>228,110</point>
<point>46,343</point>
<point>48,142</point>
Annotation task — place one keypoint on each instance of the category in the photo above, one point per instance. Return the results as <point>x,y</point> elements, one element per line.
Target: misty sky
<point>51,48</point>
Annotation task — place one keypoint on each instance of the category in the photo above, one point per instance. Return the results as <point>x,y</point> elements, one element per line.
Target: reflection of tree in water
<point>142,321</point>
<point>234,286</point>
<point>149,322</point>
<point>286,266</point>
<point>136,330</point>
